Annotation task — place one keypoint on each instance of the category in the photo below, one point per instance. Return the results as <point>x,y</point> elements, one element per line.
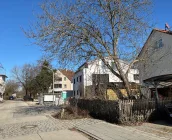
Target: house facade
<point>156,55</point>
<point>155,65</point>
<point>2,85</point>
<point>85,75</point>
<point>63,81</point>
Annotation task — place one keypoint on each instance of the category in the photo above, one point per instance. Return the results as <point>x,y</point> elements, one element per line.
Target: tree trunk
<point>123,78</point>
<point>26,91</point>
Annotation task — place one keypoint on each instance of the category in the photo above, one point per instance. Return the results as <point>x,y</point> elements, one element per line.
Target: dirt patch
<point>131,124</point>
<point>69,113</point>
<point>166,130</point>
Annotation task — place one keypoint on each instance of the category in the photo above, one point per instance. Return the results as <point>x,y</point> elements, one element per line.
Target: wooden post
<point>156,93</point>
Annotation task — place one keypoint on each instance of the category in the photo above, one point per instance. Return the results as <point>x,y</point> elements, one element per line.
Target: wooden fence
<point>121,111</point>
<point>136,110</point>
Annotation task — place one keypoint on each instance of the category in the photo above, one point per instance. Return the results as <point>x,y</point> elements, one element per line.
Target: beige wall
<point>67,82</point>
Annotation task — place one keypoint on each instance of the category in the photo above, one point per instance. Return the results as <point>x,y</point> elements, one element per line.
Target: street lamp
<point>53,79</point>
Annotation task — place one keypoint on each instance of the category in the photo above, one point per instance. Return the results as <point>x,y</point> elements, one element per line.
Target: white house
<point>2,85</point>
<point>83,76</point>
<point>155,65</point>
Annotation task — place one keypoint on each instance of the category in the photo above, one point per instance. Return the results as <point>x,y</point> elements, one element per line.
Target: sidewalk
<point>106,131</point>
<point>55,135</point>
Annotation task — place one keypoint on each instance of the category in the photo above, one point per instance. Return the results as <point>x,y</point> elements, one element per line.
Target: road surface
<point>24,121</point>
<point>20,121</point>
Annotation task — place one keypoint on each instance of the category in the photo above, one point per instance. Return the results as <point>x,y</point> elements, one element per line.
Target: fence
<point>136,110</point>
<point>122,111</point>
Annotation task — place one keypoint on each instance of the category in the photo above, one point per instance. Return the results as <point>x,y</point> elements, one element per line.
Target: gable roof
<point>3,75</point>
<point>84,65</point>
<point>68,73</point>
<point>162,31</point>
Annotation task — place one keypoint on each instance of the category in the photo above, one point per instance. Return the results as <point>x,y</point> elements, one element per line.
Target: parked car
<point>11,98</point>
<point>27,98</point>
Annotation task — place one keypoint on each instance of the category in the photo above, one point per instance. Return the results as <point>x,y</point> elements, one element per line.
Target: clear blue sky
<point>15,48</point>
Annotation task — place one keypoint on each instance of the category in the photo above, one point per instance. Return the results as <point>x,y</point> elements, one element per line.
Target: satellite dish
<point>167,27</point>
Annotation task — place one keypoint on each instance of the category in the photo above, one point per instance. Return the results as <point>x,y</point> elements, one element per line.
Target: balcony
<point>57,82</point>
<point>58,89</point>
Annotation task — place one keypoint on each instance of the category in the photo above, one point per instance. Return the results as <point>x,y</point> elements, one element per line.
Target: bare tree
<point>24,75</point>
<point>11,87</point>
<point>79,30</point>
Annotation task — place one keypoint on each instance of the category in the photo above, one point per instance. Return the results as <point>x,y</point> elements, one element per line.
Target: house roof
<point>92,61</point>
<point>68,73</point>
<point>3,75</point>
<point>161,78</point>
<point>162,31</point>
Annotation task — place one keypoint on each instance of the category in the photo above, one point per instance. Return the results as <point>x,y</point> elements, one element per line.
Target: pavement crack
<point>40,136</point>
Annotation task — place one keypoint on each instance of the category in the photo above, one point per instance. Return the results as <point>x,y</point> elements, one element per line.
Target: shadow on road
<point>35,110</point>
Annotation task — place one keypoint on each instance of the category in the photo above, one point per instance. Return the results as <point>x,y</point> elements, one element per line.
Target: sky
<point>16,49</point>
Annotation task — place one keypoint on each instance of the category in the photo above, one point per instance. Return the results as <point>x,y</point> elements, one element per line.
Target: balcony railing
<point>57,89</point>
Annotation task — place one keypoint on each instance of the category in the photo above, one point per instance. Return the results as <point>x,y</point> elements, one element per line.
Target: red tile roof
<point>163,31</point>
<point>68,73</point>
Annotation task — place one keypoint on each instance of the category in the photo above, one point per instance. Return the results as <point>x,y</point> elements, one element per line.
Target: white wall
<point>49,98</point>
<point>97,67</point>
<point>156,62</point>
<point>78,86</point>
<point>2,85</point>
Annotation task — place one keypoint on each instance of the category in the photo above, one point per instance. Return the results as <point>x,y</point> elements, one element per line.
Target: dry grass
<point>71,113</point>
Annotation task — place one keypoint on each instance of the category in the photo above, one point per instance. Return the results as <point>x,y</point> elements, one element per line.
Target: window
<point>64,78</point>
<point>159,44</point>
<point>77,79</point>
<point>77,92</point>
<point>80,78</point>
<point>58,79</point>
<point>57,85</point>
<point>113,65</point>
<point>136,77</point>
<point>74,81</point>
<point>103,65</point>
<point>74,93</point>
<point>65,86</point>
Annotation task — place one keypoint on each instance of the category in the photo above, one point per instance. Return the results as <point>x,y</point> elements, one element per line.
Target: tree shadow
<point>160,117</point>
<point>35,110</point>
